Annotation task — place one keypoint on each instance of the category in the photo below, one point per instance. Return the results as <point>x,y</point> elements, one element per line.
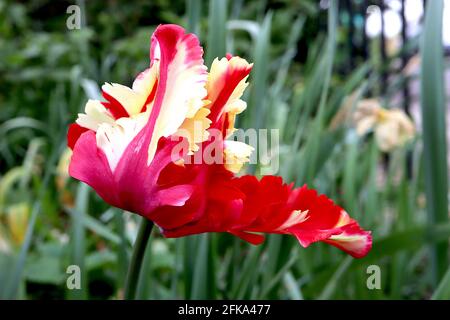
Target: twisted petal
<point>226,84</point>
<point>74,133</point>
<point>121,147</point>
<point>133,185</point>
<point>182,78</point>
<point>249,208</point>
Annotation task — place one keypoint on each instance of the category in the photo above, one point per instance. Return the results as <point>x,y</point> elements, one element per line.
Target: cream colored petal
<point>407,129</point>
<point>296,217</point>
<point>195,129</point>
<point>184,91</point>
<point>145,81</point>
<point>216,82</point>
<point>236,106</point>
<point>234,109</point>
<point>364,125</point>
<point>236,153</point>
<point>95,114</point>
<point>387,135</point>
<point>113,139</point>
<point>133,99</point>
<point>393,129</point>
<point>343,219</point>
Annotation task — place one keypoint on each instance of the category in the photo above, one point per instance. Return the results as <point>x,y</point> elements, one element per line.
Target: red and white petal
<point>131,101</point>
<point>249,208</point>
<point>134,100</point>
<point>74,133</point>
<point>195,129</point>
<point>236,154</point>
<point>296,217</point>
<point>146,81</point>
<point>327,222</point>
<point>132,186</point>
<point>272,207</point>
<point>114,107</point>
<point>323,213</point>
<point>113,139</point>
<point>226,84</point>
<point>181,81</point>
<point>126,101</point>
<point>90,165</point>
<point>353,240</point>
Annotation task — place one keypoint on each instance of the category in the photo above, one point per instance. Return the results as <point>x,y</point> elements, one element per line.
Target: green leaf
<point>216,39</point>
<point>78,240</point>
<point>434,128</point>
<point>194,12</point>
<point>443,290</point>
<point>44,269</point>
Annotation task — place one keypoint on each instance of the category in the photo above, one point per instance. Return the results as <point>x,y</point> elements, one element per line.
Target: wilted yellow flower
<point>62,170</point>
<point>17,219</point>
<point>392,127</point>
<point>62,176</point>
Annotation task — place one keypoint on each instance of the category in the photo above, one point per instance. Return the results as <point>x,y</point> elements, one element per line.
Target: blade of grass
<point>202,272</point>
<point>443,290</point>
<point>278,276</point>
<point>332,284</point>
<point>97,227</point>
<point>260,74</point>
<point>122,254</point>
<point>372,201</point>
<point>78,240</point>
<point>292,286</point>
<point>349,184</point>
<point>273,250</point>
<point>217,24</point>
<point>241,283</point>
<point>177,269</point>
<point>194,12</point>
<point>189,249</point>
<point>434,129</point>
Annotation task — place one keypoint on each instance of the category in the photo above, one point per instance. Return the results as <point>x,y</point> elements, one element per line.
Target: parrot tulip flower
<point>139,150</point>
